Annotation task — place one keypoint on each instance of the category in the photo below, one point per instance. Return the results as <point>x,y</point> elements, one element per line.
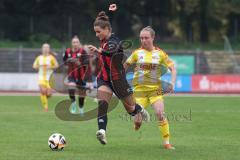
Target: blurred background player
<point>112,78</point>
<point>79,71</point>
<point>150,63</point>
<point>45,64</point>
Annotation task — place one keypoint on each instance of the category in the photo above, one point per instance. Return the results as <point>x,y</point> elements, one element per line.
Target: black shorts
<point>120,87</point>
<point>79,83</point>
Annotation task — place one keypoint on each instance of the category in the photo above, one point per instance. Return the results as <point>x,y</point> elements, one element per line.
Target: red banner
<point>216,83</point>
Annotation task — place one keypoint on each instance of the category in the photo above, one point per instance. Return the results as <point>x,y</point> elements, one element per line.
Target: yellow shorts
<point>44,83</point>
<point>146,98</point>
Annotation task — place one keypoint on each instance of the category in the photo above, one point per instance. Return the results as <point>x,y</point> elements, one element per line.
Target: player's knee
<point>49,94</point>
<point>161,115</point>
<point>43,92</point>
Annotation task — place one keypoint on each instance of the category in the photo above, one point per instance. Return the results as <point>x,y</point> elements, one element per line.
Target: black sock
<point>81,102</point>
<point>72,94</point>
<point>102,114</point>
<point>137,109</point>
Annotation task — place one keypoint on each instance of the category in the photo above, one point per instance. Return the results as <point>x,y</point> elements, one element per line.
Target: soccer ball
<point>56,141</point>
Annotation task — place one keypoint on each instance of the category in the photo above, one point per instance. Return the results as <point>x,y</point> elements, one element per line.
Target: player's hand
<point>171,88</point>
<point>73,60</point>
<point>112,7</point>
<point>93,48</point>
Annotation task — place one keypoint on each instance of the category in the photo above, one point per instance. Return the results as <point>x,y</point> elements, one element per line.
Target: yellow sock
<point>44,101</point>
<point>164,130</point>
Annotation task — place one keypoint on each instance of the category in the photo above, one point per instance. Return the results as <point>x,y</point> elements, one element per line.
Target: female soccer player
<point>150,62</point>
<point>78,62</point>
<point>45,63</point>
<point>112,78</point>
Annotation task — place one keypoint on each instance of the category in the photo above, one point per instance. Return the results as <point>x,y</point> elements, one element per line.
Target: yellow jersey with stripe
<point>44,64</point>
<point>150,65</point>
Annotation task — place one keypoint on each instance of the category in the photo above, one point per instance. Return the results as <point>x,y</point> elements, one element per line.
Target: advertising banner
<point>216,83</point>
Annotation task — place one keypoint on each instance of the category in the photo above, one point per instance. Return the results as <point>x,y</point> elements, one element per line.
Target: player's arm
<point>65,57</point>
<point>36,64</point>
<point>169,63</point>
<point>94,50</point>
<point>173,75</point>
<point>112,8</point>
<point>132,59</point>
<point>54,63</point>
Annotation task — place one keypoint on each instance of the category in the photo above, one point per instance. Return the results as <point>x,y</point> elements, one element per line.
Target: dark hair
<point>102,20</point>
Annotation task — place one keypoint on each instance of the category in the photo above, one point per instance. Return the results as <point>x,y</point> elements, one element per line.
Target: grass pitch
<point>201,128</point>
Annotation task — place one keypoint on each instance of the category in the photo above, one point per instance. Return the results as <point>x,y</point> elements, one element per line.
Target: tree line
<point>174,20</point>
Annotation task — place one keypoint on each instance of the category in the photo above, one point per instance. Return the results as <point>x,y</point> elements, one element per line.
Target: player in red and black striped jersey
<point>112,78</point>
<point>79,71</point>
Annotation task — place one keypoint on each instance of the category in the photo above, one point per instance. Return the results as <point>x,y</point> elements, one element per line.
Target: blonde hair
<point>150,30</point>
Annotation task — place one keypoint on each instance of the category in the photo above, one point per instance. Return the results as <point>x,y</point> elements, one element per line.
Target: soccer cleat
<point>81,111</point>
<point>101,136</point>
<point>145,115</point>
<point>168,146</point>
<point>137,126</point>
<point>73,108</point>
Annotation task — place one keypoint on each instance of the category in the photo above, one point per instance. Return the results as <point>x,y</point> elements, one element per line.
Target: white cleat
<point>73,108</point>
<point>81,111</point>
<point>101,136</point>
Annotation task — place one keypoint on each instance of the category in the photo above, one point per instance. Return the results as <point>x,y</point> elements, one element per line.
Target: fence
<point>209,71</point>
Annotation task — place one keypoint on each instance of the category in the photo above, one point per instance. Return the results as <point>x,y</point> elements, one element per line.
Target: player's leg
<point>134,108</point>
<point>158,106</point>
<point>71,91</point>
<point>43,97</point>
<point>49,90</point>
<point>104,94</point>
<point>81,99</point>
<point>141,99</point>
<point>124,92</point>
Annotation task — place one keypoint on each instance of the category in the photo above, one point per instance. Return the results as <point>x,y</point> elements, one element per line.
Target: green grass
<point>211,132</point>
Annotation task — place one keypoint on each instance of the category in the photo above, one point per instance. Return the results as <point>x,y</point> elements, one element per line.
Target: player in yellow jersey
<point>151,62</point>
<point>45,64</point>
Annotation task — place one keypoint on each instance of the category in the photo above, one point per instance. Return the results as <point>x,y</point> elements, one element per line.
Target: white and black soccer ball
<point>56,142</point>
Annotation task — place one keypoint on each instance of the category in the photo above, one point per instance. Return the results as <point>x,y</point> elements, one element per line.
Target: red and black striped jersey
<point>78,64</point>
<point>112,59</point>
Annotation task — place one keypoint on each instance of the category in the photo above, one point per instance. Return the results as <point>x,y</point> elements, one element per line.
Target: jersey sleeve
<point>53,61</point>
<point>65,56</point>
<point>166,60</point>
<point>132,59</point>
<point>36,62</point>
